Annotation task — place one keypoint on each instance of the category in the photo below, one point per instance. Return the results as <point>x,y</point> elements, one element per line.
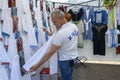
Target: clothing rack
<point>99,2</point>
<point>71,3</point>
<point>79,4</point>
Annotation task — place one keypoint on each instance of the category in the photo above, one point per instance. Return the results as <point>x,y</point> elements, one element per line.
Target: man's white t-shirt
<point>66,37</point>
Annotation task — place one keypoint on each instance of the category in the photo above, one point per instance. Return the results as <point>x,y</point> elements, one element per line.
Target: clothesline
<point>78,4</point>
<point>72,3</point>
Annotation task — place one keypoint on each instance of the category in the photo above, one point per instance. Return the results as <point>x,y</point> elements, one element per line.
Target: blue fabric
<point>87,35</point>
<point>5,34</point>
<point>90,14</point>
<point>36,33</point>
<point>45,25</point>
<point>113,33</point>
<point>17,34</point>
<point>66,70</point>
<point>36,36</point>
<point>46,36</point>
<point>103,17</point>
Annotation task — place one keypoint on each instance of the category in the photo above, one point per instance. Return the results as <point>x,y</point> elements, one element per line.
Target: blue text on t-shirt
<point>73,33</point>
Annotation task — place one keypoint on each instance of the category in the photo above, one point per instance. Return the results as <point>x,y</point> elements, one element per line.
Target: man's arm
<point>52,50</point>
<point>49,33</point>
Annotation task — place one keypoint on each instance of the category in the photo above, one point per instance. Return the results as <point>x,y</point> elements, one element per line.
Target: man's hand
<point>33,68</point>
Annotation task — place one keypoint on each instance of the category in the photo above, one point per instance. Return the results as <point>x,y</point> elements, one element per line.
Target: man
<point>65,43</point>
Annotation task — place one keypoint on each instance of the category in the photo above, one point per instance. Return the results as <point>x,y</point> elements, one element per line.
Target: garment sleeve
<point>105,18</point>
<point>58,39</point>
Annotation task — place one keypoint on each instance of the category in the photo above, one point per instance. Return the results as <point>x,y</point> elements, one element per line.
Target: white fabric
<point>109,37</point>
<point>21,16</point>
<point>15,69</point>
<point>20,8</point>
<point>0,30</point>
<point>14,59</point>
<point>87,24</point>
<point>32,38</point>
<point>67,38</point>
<point>87,13</point>
<point>3,55</point>
<point>54,64</point>
<point>26,6</point>
<point>27,32</point>
<point>80,33</point>
<point>24,25</point>
<point>6,40</point>
<point>45,13</point>
<point>53,60</point>
<point>26,47</point>
<point>26,77</point>
<point>7,25</point>
<point>38,55</point>
<point>98,17</point>
<point>28,35</point>
<point>4,4</point>
<point>1,4</point>
<point>3,74</point>
<point>39,24</point>
<point>28,23</point>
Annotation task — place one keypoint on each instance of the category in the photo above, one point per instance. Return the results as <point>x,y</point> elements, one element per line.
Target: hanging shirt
<point>7,22</point>
<point>76,14</point>
<point>80,34</point>
<point>14,60</point>
<point>39,24</point>
<point>3,55</point>
<point>112,37</point>
<point>87,15</point>
<point>99,39</point>
<point>3,74</point>
<point>44,19</point>
<point>100,17</point>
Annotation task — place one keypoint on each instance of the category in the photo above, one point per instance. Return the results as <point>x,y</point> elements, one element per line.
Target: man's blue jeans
<point>66,69</point>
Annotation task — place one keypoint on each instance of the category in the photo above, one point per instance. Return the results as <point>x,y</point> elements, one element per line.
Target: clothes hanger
<point>87,6</point>
<point>99,9</point>
<point>75,8</point>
